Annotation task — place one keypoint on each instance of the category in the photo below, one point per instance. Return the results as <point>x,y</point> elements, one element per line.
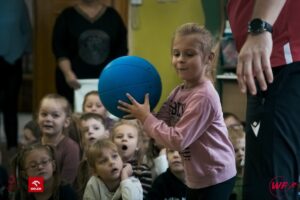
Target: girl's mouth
<point>124,147</point>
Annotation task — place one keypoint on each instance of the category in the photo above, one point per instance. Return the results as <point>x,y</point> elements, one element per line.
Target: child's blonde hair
<point>65,105</point>
<point>236,134</point>
<point>95,150</point>
<point>205,40</point>
<point>64,102</point>
<point>93,92</point>
<point>135,124</point>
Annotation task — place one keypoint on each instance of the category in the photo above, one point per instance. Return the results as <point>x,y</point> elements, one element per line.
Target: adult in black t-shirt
<point>86,37</point>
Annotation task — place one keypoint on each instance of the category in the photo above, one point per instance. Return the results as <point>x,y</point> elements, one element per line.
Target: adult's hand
<point>254,63</point>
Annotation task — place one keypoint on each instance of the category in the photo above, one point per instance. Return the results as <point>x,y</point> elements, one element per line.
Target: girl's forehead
<point>91,121</point>
<point>35,154</point>
<point>93,97</point>
<point>126,128</point>
<point>52,103</point>
<point>107,151</point>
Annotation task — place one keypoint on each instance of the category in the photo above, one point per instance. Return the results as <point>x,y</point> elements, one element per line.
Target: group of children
<point>111,159</point>
<point>182,152</point>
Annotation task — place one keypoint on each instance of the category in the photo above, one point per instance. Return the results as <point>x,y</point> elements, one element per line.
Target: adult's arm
<point>254,56</point>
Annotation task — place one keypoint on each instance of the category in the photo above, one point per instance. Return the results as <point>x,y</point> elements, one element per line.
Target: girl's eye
<point>189,54</point>
<point>115,156</point>
<point>55,115</point>
<point>101,161</point>
<point>176,54</point>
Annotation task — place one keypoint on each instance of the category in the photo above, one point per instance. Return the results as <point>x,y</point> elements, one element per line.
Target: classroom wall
<point>151,26</point>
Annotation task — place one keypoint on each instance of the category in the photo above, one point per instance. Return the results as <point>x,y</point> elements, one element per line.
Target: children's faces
<point>126,139</point>
<point>109,166</point>
<point>232,122</point>
<point>188,60</point>
<point>52,117</point>
<point>175,161</point>
<point>94,105</point>
<point>38,163</point>
<point>93,130</point>
<point>28,137</point>
<point>239,148</point>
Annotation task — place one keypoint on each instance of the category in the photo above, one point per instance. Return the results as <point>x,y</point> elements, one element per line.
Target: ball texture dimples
<point>128,74</point>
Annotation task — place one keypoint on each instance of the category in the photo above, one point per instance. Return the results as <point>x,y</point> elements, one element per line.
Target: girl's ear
<point>53,165</point>
<point>67,122</point>
<point>210,57</point>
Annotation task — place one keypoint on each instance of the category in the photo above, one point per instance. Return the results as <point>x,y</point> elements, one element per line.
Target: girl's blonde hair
<point>18,165</point>
<point>93,92</point>
<point>64,102</point>
<point>135,124</point>
<point>204,39</point>
<point>95,150</point>
<point>236,134</point>
<point>65,105</point>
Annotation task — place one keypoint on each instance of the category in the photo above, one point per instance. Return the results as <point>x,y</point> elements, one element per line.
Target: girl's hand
<point>126,171</point>
<point>135,109</point>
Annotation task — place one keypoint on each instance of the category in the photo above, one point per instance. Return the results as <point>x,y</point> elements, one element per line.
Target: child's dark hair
<point>18,165</point>
<point>87,116</point>
<point>83,175</point>
<point>93,92</point>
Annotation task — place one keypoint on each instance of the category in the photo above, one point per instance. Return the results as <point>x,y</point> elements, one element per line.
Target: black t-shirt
<point>89,44</point>
<point>66,192</point>
<point>167,186</point>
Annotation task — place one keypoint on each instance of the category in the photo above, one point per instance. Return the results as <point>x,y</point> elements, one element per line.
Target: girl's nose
<point>176,154</point>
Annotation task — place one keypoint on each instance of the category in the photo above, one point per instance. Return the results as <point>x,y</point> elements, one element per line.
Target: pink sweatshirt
<point>191,122</point>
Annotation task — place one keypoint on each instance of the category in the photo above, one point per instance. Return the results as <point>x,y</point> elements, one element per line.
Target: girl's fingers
<point>131,99</point>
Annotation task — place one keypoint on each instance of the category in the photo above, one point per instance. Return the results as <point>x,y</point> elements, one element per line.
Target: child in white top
<point>92,129</point>
<point>112,179</point>
<point>191,120</point>
<point>128,136</point>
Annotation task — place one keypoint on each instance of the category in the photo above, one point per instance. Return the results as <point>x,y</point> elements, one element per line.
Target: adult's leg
<point>273,139</point>
<point>12,80</point>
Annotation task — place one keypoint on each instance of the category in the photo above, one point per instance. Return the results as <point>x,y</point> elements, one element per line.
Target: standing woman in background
<point>15,40</point>
<point>86,37</point>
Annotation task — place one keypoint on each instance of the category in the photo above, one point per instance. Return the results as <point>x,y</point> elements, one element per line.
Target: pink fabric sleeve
<point>193,123</point>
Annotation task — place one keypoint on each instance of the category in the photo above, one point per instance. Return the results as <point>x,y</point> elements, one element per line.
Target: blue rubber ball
<point>128,74</point>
